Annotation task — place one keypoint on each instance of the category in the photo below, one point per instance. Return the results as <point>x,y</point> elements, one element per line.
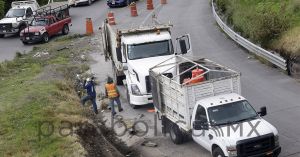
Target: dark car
<point>119,3</point>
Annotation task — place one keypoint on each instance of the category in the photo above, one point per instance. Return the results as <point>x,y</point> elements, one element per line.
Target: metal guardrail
<point>273,58</point>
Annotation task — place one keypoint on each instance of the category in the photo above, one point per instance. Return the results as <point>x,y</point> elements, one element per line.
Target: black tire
<point>176,134</point>
<point>292,71</point>
<point>2,35</point>
<point>128,99</point>
<point>117,79</point>
<point>217,152</point>
<point>65,30</point>
<point>24,42</point>
<point>45,37</point>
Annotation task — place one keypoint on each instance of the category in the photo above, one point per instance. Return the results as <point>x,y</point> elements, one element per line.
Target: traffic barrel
<point>150,5</point>
<point>196,73</point>
<point>111,18</point>
<point>163,1</point>
<point>133,9</point>
<point>89,26</point>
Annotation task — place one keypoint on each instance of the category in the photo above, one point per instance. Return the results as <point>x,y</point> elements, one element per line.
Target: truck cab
<point>18,17</point>
<point>227,125</point>
<point>140,53</point>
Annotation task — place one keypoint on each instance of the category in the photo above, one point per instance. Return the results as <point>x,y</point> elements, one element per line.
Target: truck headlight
<point>231,151</point>
<point>37,33</point>
<point>276,140</point>
<point>135,90</point>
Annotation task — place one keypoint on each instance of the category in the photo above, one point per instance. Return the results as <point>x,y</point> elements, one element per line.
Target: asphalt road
<point>261,85</point>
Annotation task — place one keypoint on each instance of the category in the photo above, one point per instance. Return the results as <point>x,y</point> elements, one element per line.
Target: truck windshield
<point>231,113</point>
<point>15,13</point>
<point>159,48</point>
<point>39,22</point>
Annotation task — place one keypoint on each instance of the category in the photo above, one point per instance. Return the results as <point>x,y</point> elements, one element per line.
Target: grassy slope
<point>272,23</point>
<point>27,98</point>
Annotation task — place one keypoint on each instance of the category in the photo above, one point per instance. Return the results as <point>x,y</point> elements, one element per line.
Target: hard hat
<point>88,79</point>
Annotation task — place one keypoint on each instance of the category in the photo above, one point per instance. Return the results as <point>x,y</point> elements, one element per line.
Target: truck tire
<point>175,134</point>
<point>117,79</point>
<point>2,35</point>
<point>65,30</point>
<point>24,42</point>
<point>45,37</point>
<point>217,152</point>
<point>128,99</point>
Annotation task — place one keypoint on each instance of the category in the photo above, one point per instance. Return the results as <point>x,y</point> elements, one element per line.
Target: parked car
<point>81,2</point>
<point>17,17</point>
<point>119,3</point>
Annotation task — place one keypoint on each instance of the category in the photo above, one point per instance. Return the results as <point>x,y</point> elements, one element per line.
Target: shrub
<point>2,4</point>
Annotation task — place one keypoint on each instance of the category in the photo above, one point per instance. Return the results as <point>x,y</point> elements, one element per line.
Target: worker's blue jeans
<point>112,104</point>
<point>93,100</point>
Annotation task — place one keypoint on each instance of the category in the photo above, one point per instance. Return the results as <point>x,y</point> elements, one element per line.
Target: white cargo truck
<point>133,50</point>
<point>211,111</point>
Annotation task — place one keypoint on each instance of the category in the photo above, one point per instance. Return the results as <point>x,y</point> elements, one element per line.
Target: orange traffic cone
<point>111,18</point>
<point>133,9</point>
<point>89,26</point>
<point>150,5</point>
<point>163,1</point>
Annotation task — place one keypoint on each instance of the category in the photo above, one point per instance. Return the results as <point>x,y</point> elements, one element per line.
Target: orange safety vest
<point>111,90</point>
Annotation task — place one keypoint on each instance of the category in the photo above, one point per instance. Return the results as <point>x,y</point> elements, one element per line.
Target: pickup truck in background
<point>17,18</point>
<point>46,24</point>
<point>201,99</point>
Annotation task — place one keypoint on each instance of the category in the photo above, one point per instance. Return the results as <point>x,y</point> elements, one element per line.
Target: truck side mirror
<point>183,47</point>
<point>119,54</point>
<point>200,125</point>
<point>263,111</point>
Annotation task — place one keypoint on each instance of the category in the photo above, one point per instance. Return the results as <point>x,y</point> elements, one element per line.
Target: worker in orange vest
<point>113,94</point>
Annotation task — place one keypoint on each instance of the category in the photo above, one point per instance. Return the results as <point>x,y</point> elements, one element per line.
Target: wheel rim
<point>219,155</point>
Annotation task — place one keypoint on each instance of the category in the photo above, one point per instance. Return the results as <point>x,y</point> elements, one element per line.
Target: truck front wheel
<point>217,152</point>
<point>65,30</point>
<point>2,35</point>
<point>176,134</point>
<point>45,37</point>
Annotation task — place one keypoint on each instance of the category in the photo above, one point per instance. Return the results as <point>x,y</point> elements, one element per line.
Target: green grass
<point>26,100</point>
<point>265,22</point>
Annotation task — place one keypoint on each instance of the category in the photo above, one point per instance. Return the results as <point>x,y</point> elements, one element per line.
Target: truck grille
<point>148,84</point>
<point>255,146</point>
<point>6,26</point>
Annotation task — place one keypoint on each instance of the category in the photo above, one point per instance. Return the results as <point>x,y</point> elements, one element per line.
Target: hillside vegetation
<point>273,24</point>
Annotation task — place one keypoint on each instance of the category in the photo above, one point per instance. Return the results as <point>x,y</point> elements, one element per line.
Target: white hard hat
<point>88,79</point>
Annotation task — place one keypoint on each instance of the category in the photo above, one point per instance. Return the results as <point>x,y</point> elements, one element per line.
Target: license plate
<point>27,38</point>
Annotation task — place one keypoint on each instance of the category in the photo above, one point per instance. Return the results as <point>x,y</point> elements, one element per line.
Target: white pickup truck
<point>210,110</point>
<point>18,17</point>
<point>133,50</point>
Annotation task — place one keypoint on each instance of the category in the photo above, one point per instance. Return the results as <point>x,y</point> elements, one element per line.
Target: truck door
<point>200,127</point>
<point>184,45</point>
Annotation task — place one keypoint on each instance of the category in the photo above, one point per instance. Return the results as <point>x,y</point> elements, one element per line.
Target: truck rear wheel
<point>176,134</point>
<point>217,152</point>
<point>65,30</point>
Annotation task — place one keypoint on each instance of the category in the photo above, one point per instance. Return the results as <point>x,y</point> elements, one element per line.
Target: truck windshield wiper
<point>249,118</point>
